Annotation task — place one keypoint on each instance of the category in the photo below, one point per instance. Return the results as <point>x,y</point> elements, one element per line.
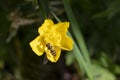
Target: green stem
<point>77,54</point>
<point>76,31</point>
<point>43,8</point>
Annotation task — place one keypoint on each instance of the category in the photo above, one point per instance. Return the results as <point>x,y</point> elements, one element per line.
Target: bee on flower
<point>52,39</point>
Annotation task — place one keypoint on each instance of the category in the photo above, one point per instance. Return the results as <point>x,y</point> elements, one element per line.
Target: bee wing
<point>55,47</point>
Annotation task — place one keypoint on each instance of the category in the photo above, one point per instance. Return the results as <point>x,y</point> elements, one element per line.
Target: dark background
<point>99,22</point>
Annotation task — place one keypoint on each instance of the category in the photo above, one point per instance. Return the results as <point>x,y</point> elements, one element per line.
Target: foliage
<point>94,28</point>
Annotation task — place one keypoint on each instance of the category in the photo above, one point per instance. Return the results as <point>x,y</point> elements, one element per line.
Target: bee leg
<point>45,60</point>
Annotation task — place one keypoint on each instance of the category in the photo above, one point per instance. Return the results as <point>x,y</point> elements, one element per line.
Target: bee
<point>52,51</point>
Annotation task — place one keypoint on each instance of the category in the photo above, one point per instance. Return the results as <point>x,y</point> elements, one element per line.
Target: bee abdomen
<point>53,52</point>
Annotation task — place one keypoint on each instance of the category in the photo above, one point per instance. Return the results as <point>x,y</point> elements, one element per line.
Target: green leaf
<point>115,69</point>
<point>100,73</point>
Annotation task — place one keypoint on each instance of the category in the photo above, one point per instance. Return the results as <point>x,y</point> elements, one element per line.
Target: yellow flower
<point>52,40</point>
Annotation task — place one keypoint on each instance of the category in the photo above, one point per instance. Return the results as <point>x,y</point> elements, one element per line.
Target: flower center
<point>54,38</point>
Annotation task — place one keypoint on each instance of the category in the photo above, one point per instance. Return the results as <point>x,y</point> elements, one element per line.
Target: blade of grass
<point>77,53</point>
<point>55,16</point>
<point>43,9</point>
<point>76,30</point>
<point>81,61</point>
<point>80,65</point>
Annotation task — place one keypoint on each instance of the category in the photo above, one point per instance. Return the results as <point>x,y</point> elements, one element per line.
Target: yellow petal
<point>38,45</point>
<point>45,27</point>
<point>54,38</point>
<point>61,27</point>
<point>51,57</point>
<point>66,42</point>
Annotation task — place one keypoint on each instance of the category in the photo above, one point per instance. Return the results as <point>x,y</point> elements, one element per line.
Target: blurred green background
<point>95,29</point>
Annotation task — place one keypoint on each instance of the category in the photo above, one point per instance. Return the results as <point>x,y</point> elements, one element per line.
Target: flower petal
<point>66,42</point>
<point>51,57</point>
<point>54,38</point>
<point>45,27</point>
<point>61,27</point>
<point>38,45</point>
